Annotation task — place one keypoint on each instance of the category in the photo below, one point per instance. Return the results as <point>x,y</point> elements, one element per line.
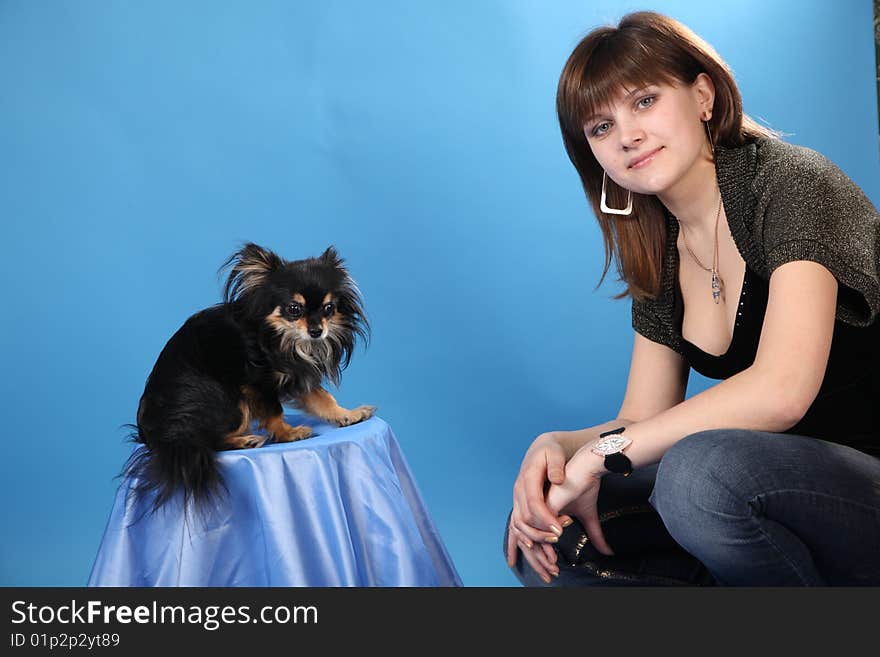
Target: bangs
<point>595,77</point>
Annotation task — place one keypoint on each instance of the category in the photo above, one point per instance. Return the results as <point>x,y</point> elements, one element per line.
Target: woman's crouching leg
<point>740,502</point>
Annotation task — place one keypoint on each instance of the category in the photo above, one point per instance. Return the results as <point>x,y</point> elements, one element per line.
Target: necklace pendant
<point>716,288</point>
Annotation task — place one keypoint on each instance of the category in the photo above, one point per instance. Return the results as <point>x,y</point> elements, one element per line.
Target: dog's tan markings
<point>254,269</point>
<point>252,398</point>
<point>284,328</point>
<point>245,418</point>
<point>321,403</point>
<point>298,298</point>
<point>253,276</point>
<point>276,320</point>
<point>239,439</point>
<point>325,321</point>
<point>285,433</point>
<point>270,417</point>
<point>244,442</point>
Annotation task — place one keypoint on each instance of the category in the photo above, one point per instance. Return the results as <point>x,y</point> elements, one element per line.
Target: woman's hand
<point>578,492</point>
<point>540,556</point>
<point>532,524</point>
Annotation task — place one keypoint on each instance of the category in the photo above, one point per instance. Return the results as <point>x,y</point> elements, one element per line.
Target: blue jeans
<point>735,508</point>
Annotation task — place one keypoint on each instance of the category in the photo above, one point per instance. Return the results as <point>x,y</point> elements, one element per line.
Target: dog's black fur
<point>282,328</point>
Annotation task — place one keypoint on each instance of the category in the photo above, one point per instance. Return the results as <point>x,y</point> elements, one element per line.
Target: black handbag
<point>644,552</point>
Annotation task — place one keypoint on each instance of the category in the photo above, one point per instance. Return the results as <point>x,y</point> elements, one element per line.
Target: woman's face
<point>650,138</point>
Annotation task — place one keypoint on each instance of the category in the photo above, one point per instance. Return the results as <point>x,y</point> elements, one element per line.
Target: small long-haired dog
<point>282,328</point>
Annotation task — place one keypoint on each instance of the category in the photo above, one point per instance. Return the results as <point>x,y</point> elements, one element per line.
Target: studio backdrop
<point>142,142</point>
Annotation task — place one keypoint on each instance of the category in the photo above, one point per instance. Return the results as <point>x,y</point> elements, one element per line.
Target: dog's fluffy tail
<point>163,467</point>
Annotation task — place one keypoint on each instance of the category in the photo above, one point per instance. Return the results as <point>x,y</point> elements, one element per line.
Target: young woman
<point>756,263</point>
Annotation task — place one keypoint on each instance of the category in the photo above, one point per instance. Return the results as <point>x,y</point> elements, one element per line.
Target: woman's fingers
<point>555,459</point>
<point>511,546</point>
<point>529,533</point>
<point>540,556</point>
<point>593,527</point>
<point>539,466</point>
<point>535,512</point>
<point>584,507</point>
<point>550,554</point>
<point>533,524</point>
<point>541,563</point>
<point>559,497</point>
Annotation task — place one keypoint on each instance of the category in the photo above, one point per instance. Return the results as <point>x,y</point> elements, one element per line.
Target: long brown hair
<point>645,48</point>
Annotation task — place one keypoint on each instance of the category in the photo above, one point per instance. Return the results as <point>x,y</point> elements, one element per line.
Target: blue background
<point>140,143</point>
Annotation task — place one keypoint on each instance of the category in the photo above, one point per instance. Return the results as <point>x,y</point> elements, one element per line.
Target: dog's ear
<point>331,257</point>
<point>251,266</point>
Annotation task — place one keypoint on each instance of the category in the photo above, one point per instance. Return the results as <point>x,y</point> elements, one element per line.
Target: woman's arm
<point>771,395</point>
<point>657,381</point>
<point>776,391</point>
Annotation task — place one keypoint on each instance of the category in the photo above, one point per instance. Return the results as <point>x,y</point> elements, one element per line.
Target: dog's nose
<point>316,332</point>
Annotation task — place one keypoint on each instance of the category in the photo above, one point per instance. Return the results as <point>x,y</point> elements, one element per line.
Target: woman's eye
<point>647,101</point>
<point>329,309</point>
<point>295,310</point>
<point>601,129</point>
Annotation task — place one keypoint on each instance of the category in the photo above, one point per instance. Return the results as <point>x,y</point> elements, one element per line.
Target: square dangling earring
<point>709,134</point>
<point>604,206</point>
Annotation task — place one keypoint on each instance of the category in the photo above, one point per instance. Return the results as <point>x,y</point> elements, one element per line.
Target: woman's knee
<point>699,478</point>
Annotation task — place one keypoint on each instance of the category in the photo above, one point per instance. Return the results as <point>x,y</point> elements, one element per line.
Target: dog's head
<point>309,310</point>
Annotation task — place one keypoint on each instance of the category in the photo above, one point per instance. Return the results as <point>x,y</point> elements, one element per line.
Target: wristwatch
<point>611,445</point>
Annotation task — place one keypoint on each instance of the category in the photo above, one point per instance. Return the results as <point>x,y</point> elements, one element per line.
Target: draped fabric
<point>338,509</point>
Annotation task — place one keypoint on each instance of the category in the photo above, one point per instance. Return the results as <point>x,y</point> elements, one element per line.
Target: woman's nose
<point>631,135</point>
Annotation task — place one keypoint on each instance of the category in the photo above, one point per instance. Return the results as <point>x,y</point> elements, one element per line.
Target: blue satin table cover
<point>338,509</point>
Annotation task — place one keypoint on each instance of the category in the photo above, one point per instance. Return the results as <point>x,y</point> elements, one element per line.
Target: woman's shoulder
<point>776,159</point>
<point>768,171</point>
<point>806,208</point>
<point>788,178</point>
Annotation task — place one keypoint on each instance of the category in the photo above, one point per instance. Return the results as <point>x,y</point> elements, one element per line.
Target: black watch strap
<point>618,462</point>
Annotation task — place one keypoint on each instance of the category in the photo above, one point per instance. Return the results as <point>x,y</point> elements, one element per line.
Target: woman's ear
<point>704,94</point>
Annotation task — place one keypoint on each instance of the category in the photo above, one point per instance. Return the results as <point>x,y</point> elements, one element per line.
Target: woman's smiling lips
<point>643,160</point>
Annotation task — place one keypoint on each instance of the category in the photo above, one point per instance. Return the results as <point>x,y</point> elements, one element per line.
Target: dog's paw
<point>245,442</point>
<point>289,434</point>
<point>356,415</point>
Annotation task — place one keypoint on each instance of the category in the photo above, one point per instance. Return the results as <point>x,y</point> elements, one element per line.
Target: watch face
<point>610,445</point>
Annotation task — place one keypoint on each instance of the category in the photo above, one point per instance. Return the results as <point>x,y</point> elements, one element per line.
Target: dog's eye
<point>329,309</point>
<point>295,310</point>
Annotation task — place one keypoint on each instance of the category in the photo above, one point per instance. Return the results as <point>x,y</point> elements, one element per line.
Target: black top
<point>844,410</point>
<point>783,203</point>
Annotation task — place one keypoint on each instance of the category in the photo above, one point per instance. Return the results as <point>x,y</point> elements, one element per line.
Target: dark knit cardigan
<point>784,203</point>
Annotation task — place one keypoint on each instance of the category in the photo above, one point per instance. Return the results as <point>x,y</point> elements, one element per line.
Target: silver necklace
<point>716,279</point>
